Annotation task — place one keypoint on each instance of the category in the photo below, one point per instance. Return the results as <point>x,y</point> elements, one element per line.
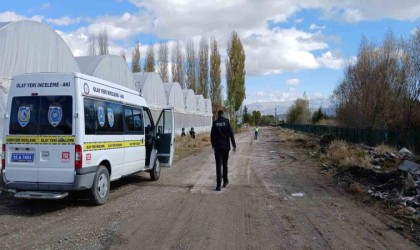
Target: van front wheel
<point>155,172</point>
<point>101,185</point>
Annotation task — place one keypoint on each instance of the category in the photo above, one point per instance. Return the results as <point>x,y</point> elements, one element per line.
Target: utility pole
<point>275,117</point>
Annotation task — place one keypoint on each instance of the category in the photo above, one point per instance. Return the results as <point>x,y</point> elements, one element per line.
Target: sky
<point>292,47</point>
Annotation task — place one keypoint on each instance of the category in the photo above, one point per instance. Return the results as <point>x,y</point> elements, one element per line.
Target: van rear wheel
<point>101,185</point>
<point>155,172</point>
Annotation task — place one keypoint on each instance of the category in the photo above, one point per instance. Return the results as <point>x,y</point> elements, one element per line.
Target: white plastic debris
<point>298,194</point>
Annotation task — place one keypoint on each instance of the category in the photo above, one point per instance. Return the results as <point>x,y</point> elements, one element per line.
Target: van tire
<point>100,190</point>
<point>155,172</point>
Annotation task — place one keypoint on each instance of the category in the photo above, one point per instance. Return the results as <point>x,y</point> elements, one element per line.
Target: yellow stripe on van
<point>44,140</point>
<point>104,145</point>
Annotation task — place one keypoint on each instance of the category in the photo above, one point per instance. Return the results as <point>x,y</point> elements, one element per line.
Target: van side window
<point>134,121</point>
<point>103,117</point>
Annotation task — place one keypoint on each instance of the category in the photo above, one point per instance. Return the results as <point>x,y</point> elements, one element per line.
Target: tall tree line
<point>381,90</point>
<point>199,69</point>
<point>99,44</point>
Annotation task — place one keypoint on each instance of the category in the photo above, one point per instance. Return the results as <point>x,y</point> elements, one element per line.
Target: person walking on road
<point>257,131</point>
<point>221,137</point>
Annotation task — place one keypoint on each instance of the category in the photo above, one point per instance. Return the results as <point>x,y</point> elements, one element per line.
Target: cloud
<point>280,50</point>
<point>300,20</point>
<point>316,27</point>
<point>122,27</point>
<point>10,16</point>
<point>268,51</point>
<point>293,82</point>
<point>352,60</point>
<point>328,60</point>
<point>64,21</point>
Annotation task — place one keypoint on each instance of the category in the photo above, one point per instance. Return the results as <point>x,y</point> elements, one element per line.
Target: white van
<point>68,131</point>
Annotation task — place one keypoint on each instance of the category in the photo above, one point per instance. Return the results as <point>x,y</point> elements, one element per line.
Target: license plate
<point>22,157</point>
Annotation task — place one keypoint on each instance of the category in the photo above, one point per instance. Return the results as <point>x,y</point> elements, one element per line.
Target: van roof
<point>89,78</point>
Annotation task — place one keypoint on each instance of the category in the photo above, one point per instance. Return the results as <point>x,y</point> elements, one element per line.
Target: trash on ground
<point>298,194</point>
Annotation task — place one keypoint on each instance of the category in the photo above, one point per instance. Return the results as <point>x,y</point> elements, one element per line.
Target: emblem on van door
<point>86,88</point>
<point>24,114</point>
<point>110,114</point>
<point>101,116</point>
<point>54,115</point>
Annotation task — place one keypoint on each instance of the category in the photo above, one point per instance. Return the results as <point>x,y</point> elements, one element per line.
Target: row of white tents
<point>29,46</point>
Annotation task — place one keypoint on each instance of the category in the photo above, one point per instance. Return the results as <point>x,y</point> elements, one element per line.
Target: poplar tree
<point>178,65</point>
<point>135,61</point>
<point>163,62</point>
<point>149,64</point>
<point>235,75</point>
<point>191,66</point>
<point>215,75</point>
<point>203,68</point>
<point>103,43</point>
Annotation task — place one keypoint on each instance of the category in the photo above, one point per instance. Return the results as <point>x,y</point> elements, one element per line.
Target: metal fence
<point>369,137</point>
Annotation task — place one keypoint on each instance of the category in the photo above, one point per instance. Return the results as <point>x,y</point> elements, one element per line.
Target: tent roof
<point>189,100</point>
<point>151,88</point>
<point>29,46</point>
<point>108,67</point>
<point>174,95</point>
<point>208,106</point>
<point>200,105</point>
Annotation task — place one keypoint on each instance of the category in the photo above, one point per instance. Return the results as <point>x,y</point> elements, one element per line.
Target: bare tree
<point>191,65</point>
<point>412,59</point>
<point>135,61</point>
<point>92,45</point>
<point>203,68</point>
<point>178,65</point>
<point>103,43</point>
<point>163,62</point>
<point>215,75</point>
<point>371,92</point>
<point>122,54</point>
<point>149,64</point>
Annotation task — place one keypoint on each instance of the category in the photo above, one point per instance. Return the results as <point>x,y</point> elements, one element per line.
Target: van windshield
<point>44,115</point>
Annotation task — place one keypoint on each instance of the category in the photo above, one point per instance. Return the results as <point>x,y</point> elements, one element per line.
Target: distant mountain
<point>268,108</point>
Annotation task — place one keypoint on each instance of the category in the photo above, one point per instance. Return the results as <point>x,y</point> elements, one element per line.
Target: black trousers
<point>222,157</point>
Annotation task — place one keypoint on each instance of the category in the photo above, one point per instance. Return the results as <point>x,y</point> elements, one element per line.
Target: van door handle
<point>45,153</point>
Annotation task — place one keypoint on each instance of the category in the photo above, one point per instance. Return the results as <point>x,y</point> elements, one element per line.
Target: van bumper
<point>82,181</point>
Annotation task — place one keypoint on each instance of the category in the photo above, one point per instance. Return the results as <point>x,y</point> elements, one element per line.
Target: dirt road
<point>276,200</point>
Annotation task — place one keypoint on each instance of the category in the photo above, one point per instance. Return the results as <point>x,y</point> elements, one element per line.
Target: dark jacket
<point>222,134</point>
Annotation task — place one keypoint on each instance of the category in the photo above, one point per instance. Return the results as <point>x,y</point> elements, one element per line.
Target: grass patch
<point>382,149</point>
<point>341,154</point>
<point>186,145</point>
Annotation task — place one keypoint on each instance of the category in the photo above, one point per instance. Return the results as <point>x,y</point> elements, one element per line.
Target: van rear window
<point>44,115</point>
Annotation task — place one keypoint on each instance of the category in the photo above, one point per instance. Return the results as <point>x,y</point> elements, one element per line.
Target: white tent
<point>201,125</point>
<point>208,107</point>
<point>200,105</point>
<point>175,96</point>
<point>175,99</point>
<point>189,100</point>
<point>190,108</point>
<point>27,47</point>
<point>108,67</point>
<point>151,88</point>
